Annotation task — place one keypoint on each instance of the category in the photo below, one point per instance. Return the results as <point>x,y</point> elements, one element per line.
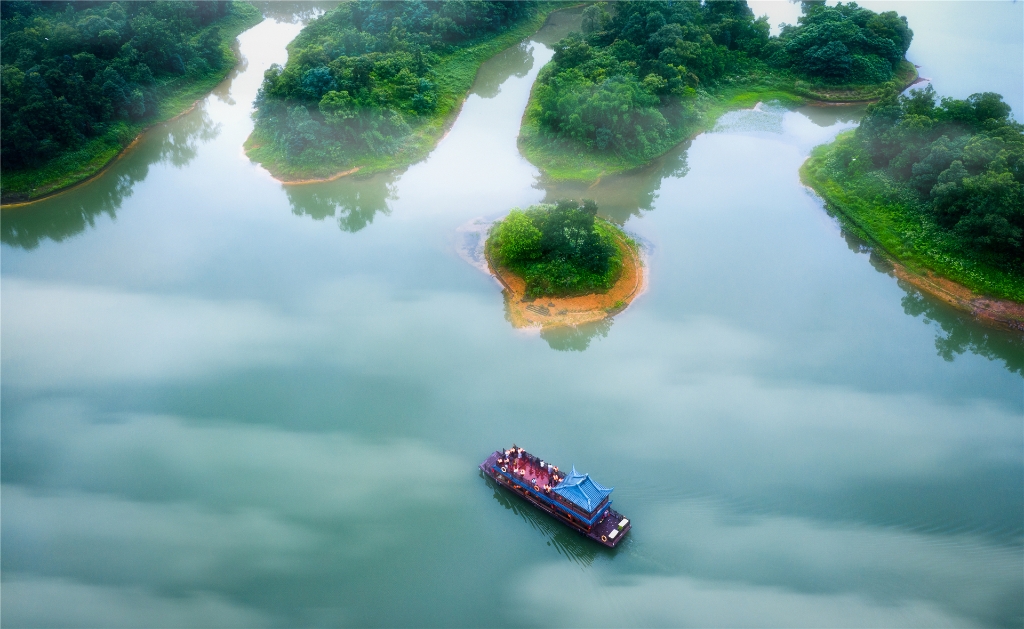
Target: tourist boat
<point>574,499</point>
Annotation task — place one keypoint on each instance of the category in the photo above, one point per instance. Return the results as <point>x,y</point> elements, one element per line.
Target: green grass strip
<point>880,211</point>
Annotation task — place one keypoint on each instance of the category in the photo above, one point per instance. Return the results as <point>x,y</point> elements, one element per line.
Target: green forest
<point>363,78</point>
<point>638,80</point>
<point>559,250</point>
<point>81,79</point>
<point>938,183</point>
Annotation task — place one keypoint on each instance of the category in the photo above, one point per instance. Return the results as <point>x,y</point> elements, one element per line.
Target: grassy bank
<point>176,96</point>
<point>883,212</point>
<point>562,159</point>
<point>455,74</point>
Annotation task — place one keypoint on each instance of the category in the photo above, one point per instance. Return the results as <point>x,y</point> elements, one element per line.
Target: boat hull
<point>605,531</point>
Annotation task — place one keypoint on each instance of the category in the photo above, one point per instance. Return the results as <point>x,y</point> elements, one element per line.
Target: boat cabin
<point>577,495</point>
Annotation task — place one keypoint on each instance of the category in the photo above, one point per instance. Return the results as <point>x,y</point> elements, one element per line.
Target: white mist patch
<point>79,335</point>
<point>146,519</point>
<point>962,573</point>
<point>221,466</point>
<point>54,602</point>
<point>599,598</point>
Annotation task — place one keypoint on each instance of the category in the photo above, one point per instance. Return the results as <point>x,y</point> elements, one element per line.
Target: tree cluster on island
<point>559,250</point>
<point>79,71</point>
<point>637,79</point>
<point>361,77</point>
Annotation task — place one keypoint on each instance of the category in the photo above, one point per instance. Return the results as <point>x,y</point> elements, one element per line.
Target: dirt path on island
<point>547,312</point>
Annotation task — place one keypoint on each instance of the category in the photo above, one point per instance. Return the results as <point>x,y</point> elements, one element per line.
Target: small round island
<point>562,265</point>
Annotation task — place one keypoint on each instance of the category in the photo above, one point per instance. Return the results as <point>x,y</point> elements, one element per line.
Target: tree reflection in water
<point>828,115</point>
<point>567,542</point>
<point>575,338</point>
<point>957,333</point>
<point>515,61</point>
<point>625,195</point>
<point>353,201</point>
<point>67,215</point>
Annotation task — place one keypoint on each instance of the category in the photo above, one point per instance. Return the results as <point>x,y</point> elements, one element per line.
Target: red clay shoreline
<point>999,313</point>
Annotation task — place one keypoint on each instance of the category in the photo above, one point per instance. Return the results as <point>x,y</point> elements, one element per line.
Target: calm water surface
<point>230,403</point>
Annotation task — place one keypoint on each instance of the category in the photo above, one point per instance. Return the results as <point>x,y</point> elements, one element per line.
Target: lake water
<point>231,403</point>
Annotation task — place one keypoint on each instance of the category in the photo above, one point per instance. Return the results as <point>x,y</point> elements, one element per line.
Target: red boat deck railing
<point>527,468</point>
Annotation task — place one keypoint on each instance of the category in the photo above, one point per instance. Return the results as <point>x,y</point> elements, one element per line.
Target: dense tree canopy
<point>607,87</point>
<point>631,78</point>
<point>962,159</point>
<point>72,70</point>
<point>558,249</point>
<point>357,76</point>
<point>843,44</point>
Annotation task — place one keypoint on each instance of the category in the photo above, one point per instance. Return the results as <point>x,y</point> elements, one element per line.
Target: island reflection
<point>516,61</point>
<point>957,332</point>
<point>576,338</point>
<point>625,195</point>
<point>66,215</point>
<point>353,201</point>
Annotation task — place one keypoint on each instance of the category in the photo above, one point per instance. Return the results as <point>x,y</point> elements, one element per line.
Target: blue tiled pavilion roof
<point>582,491</point>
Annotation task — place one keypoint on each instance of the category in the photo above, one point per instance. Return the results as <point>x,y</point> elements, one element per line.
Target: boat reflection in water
<point>566,542</point>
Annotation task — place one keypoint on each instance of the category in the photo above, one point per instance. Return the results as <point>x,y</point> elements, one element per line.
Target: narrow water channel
<point>227,402</point>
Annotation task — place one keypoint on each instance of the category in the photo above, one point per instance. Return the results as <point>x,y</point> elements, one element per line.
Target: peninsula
<point>82,80</point>
<point>648,76</point>
<point>561,265</point>
<point>938,187</point>
<point>372,86</point>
